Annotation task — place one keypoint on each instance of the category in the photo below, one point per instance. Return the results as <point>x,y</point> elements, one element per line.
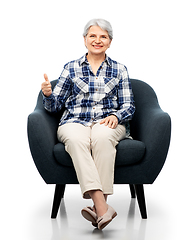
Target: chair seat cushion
<point>128,152</point>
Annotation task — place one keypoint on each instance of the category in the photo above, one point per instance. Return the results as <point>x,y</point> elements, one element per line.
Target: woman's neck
<point>95,59</point>
<point>95,62</point>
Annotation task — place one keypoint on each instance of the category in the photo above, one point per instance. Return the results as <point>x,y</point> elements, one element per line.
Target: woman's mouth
<point>97,46</point>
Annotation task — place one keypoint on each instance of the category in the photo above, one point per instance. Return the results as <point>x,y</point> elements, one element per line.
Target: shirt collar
<point>85,60</point>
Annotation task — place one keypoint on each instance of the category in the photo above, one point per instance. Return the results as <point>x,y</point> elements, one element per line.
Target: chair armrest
<point>154,129</point>
<point>42,136</point>
<point>42,128</point>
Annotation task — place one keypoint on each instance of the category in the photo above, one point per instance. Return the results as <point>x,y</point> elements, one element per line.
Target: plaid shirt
<point>87,98</point>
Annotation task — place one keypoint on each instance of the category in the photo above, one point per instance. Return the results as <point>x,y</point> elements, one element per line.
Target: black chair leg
<point>132,190</point>
<point>58,195</point>
<point>141,200</point>
<point>63,190</point>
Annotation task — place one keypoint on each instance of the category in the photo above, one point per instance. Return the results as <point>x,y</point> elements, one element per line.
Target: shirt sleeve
<point>125,98</point>
<point>61,92</point>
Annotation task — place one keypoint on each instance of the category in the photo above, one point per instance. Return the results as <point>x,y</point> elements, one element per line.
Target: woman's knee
<point>73,133</point>
<point>102,134</point>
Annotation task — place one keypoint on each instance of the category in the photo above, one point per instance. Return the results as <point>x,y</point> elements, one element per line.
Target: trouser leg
<point>76,138</point>
<point>103,144</point>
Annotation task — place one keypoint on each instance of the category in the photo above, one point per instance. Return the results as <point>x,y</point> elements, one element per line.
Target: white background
<point>152,38</point>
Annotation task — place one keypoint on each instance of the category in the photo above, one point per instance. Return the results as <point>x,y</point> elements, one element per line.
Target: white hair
<point>103,24</point>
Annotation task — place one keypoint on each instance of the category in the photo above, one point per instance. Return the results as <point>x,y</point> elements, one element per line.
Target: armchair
<point>138,160</point>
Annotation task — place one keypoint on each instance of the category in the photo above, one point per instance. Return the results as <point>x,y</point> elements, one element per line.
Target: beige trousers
<point>93,152</point>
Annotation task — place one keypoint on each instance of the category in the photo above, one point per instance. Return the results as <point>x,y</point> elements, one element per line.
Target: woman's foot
<point>101,210</point>
<point>104,220</point>
<point>89,214</point>
<point>100,204</point>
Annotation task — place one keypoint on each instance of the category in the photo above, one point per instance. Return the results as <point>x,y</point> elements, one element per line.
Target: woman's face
<point>97,40</point>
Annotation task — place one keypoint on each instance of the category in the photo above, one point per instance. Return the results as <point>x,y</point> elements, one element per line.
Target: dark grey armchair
<point>138,161</point>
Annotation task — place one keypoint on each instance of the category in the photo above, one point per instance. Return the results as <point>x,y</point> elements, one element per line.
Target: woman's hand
<point>110,121</point>
<point>46,86</point>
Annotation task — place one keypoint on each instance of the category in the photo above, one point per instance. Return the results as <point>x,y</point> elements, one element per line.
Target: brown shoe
<point>90,215</point>
<point>106,218</point>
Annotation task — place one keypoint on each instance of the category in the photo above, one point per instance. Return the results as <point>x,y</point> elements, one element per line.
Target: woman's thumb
<point>46,77</point>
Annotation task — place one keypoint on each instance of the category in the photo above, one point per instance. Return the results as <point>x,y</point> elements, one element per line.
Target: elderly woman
<point>97,98</point>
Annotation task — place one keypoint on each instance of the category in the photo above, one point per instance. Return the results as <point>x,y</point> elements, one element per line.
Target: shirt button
<point>96,77</point>
<point>96,89</point>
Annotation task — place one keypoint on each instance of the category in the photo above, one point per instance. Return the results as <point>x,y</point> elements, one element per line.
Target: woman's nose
<point>98,40</point>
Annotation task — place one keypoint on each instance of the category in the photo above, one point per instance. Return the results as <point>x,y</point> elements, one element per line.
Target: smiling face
<point>97,40</point>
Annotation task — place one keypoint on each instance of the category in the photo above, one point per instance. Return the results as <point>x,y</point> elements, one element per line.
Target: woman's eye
<point>92,35</point>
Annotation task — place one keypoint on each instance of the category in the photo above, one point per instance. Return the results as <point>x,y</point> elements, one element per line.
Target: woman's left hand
<point>110,121</point>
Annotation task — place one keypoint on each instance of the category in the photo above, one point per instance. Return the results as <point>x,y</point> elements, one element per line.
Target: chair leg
<point>132,190</point>
<point>58,195</point>
<point>141,200</point>
<point>63,190</point>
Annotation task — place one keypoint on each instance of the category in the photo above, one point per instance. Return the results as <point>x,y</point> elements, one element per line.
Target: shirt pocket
<point>80,85</point>
<point>111,86</point>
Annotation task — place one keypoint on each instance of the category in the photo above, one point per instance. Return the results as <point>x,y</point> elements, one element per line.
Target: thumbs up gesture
<point>46,86</point>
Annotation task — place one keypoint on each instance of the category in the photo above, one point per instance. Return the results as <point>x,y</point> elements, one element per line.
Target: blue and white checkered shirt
<point>88,98</point>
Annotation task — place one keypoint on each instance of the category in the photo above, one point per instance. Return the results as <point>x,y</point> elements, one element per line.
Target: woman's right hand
<point>46,86</point>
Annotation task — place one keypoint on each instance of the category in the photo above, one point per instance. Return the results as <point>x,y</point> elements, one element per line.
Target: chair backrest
<point>145,100</point>
<point>143,94</point>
